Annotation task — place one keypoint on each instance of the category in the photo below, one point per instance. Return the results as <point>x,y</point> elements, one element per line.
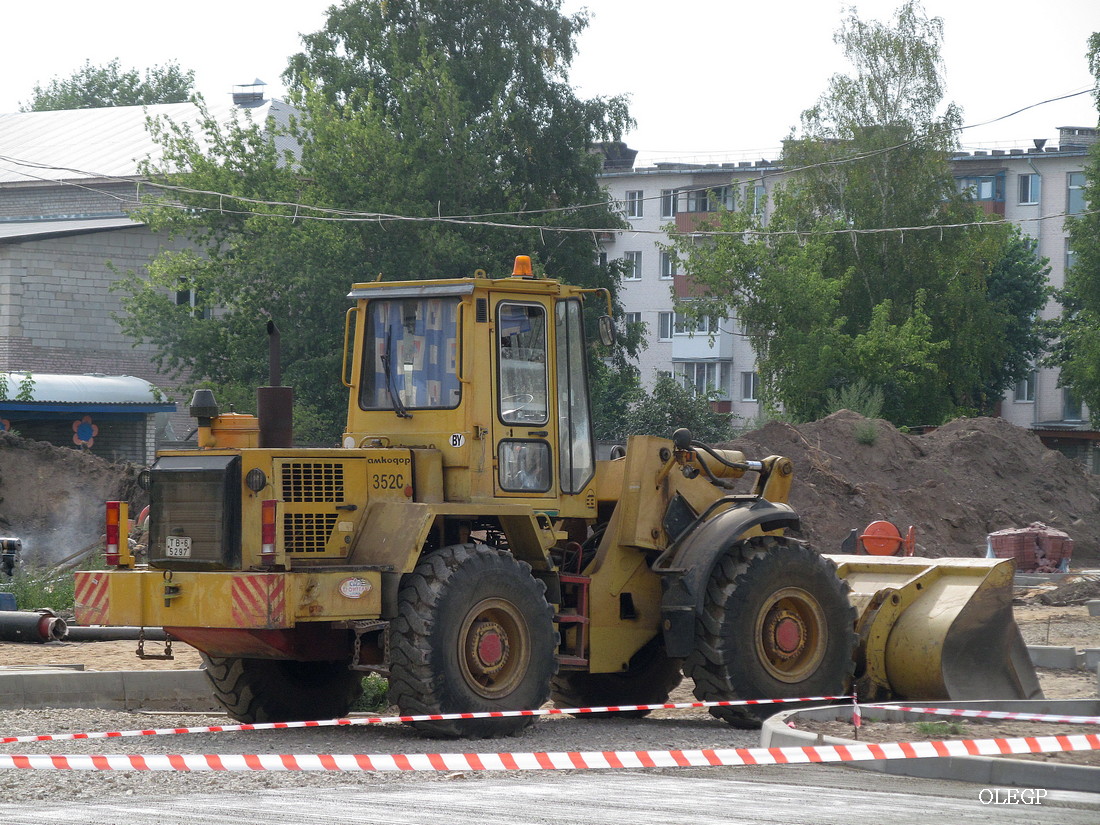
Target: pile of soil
<point>955,484</point>
<point>1075,591</point>
<point>52,497</point>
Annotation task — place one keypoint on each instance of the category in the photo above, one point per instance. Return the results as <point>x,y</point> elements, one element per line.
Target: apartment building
<point>1032,186</point>
<point>711,354</point>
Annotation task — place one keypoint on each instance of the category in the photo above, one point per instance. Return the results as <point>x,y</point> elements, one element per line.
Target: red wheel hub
<point>490,649</point>
<point>788,635</point>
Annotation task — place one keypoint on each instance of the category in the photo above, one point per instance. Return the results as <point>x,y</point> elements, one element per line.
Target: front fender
<point>686,571</point>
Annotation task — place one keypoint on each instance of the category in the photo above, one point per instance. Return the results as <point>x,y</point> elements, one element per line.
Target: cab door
<point>524,418</point>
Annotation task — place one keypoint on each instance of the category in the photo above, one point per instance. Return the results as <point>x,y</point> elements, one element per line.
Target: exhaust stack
<point>275,404</point>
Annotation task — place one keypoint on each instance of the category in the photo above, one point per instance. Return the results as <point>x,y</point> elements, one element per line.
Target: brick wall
<point>117,440</point>
<point>34,201</point>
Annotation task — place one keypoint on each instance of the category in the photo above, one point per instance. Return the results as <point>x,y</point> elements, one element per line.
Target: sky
<point>708,80</point>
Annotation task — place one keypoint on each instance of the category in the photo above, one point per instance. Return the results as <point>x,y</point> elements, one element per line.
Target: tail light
<point>267,533</point>
<point>118,518</point>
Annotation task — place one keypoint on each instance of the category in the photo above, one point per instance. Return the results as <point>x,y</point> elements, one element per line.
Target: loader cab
<point>489,372</point>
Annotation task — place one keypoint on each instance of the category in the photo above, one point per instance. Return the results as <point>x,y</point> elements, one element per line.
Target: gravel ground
<point>663,730</point>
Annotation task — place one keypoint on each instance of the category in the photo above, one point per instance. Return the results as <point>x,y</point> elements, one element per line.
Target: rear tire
<point>277,690</point>
<point>776,624</point>
<point>473,633</point>
<point>649,680</point>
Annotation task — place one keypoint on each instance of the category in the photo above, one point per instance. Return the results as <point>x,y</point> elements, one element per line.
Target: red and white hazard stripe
<point>574,760</point>
<point>379,720</point>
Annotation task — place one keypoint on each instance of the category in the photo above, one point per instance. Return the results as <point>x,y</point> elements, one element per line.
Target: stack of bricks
<point>1035,548</point>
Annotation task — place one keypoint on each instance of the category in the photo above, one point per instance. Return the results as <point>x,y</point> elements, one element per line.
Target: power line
<point>303,211</point>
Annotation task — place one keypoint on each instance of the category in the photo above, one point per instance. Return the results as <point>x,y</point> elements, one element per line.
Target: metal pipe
<point>274,368</point>
<point>35,626</point>
<point>114,634</point>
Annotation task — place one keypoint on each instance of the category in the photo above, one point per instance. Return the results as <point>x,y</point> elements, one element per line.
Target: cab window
<point>522,363</point>
<point>410,360</point>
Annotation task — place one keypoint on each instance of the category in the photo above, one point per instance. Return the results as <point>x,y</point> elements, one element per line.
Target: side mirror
<point>606,329</point>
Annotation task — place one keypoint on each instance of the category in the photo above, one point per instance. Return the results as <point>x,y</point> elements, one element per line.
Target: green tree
<point>669,406</point>
<point>842,285</point>
<point>403,172</point>
<point>522,141</point>
<point>1077,350</point>
<point>93,87</point>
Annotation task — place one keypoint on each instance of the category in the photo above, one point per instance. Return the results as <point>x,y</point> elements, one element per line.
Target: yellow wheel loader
<point>465,541</point>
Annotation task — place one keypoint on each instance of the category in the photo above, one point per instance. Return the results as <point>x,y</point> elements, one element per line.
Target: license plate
<point>178,547</point>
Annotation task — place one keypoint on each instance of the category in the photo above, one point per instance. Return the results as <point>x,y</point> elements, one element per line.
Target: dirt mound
<point>1071,592</point>
<point>955,484</point>
<point>52,497</point>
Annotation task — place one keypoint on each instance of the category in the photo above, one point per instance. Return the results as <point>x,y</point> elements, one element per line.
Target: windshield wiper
<point>391,382</point>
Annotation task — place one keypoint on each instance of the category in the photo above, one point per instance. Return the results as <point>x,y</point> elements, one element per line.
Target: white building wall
<point>652,295</point>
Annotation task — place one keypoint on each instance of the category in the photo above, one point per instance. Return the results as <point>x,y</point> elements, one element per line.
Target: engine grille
<point>307,532</point>
<point>312,481</point>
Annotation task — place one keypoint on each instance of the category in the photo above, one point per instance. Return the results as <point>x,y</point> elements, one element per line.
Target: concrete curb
<point>984,770</point>
<point>109,689</point>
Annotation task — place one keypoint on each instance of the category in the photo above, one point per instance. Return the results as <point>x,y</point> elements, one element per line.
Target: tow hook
<point>171,591</point>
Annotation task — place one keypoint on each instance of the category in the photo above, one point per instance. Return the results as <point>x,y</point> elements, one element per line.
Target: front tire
<point>776,624</point>
<point>278,690</point>
<point>473,633</point>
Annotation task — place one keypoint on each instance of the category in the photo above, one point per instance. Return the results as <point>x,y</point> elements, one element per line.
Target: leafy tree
<point>93,87</point>
<point>842,285</point>
<point>403,172</point>
<point>670,406</point>
<point>521,140</point>
<point>1077,351</point>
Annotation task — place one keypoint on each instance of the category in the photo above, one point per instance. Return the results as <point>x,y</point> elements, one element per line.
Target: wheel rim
<point>495,648</point>
<point>791,634</point>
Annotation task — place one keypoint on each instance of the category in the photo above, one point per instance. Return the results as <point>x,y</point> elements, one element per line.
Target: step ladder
<point>572,619</point>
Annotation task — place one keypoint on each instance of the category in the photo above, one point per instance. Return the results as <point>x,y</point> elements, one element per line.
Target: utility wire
<point>329,214</point>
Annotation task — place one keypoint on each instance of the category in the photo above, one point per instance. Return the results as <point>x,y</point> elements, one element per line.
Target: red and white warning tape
<point>435,717</point>
<point>994,714</point>
<point>589,760</point>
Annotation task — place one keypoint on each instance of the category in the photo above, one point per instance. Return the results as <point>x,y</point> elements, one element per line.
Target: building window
<point>1075,196</point>
<point>983,187</point>
<point>1071,406</point>
<point>190,298</point>
<point>601,260</point>
<point>1025,389</point>
<point>664,326</point>
<point>668,265</point>
<point>691,326</point>
<point>759,199</point>
<point>1071,255</point>
<point>750,386</point>
<point>668,203</point>
<point>631,320</point>
<point>1029,188</point>
<point>701,377</point>
<point>634,203</point>
<point>633,266</point>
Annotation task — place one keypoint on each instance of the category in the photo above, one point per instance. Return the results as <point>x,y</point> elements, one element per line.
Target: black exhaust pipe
<point>275,404</point>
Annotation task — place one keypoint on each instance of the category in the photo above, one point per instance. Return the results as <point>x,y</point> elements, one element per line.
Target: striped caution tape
<point>435,717</point>
<point>994,714</point>
<point>582,760</point>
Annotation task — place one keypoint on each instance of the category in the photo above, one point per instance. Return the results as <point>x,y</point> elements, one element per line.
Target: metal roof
<point>80,144</point>
<point>86,389</point>
<point>16,231</point>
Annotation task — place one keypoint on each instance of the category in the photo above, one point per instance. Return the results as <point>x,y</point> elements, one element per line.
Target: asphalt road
<point>774,795</point>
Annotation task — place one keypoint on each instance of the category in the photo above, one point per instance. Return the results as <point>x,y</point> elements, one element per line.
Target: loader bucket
<point>937,629</point>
